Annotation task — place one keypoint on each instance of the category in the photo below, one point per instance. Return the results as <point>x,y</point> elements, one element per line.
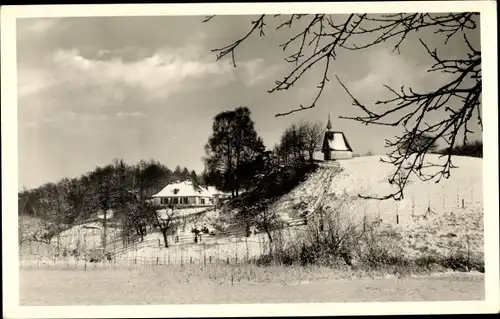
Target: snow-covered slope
<point>368,176</point>
<point>344,180</point>
<point>432,216</point>
<point>308,195</point>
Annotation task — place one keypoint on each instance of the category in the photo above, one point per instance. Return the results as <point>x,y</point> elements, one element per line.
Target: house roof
<point>186,189</point>
<point>336,141</point>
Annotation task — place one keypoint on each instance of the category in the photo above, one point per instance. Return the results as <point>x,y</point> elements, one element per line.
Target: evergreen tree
<point>234,144</point>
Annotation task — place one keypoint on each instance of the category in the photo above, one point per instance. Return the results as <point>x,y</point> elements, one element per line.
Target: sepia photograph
<point>281,154</point>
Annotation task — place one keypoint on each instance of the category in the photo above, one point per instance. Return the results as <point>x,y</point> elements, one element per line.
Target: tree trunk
<point>139,232</point>
<point>165,237</point>
<point>58,242</point>
<point>105,228</point>
<point>266,229</point>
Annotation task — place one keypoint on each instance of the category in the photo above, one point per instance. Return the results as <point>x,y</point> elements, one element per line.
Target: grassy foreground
<point>242,273</point>
<point>235,284</point>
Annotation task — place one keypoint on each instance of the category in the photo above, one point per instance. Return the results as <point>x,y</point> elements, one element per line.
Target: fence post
<point>378,209</point>
<point>397,214</point>
<point>428,199</point>
<point>468,253</point>
<point>38,254</point>
<point>246,246</point>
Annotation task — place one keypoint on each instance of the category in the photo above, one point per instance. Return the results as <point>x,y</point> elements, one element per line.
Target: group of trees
<point>472,149</point>
<point>118,186</point>
<point>236,155</point>
<point>234,151</point>
<point>237,160</point>
<point>298,141</point>
<point>428,144</point>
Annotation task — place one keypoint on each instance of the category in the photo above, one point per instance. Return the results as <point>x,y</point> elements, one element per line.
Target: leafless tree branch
<point>459,98</point>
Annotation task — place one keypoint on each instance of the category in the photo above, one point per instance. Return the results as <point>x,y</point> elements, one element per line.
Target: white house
<point>186,194</point>
<point>191,203</point>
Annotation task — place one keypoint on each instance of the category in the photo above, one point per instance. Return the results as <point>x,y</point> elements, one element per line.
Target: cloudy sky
<point>94,89</point>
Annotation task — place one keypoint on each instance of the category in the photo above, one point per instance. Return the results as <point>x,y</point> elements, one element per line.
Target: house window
<point>185,200</point>
<point>175,200</point>
<point>202,201</point>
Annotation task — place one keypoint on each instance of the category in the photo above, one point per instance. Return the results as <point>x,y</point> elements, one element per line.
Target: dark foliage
<point>472,149</point>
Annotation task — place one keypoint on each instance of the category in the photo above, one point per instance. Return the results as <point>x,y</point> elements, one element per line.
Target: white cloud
<point>165,72</point>
<point>40,25</point>
<point>387,68</point>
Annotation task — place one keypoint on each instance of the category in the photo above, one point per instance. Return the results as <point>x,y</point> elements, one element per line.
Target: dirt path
<point>54,288</point>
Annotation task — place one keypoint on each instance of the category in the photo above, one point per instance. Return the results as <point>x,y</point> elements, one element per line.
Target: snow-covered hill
<point>446,226</point>
<point>432,216</point>
<point>346,179</point>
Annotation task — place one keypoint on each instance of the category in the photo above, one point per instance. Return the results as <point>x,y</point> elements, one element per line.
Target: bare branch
<point>208,18</point>
<point>229,49</point>
<point>458,97</point>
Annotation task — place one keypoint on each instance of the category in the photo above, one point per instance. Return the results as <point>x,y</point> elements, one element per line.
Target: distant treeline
<point>472,149</point>
<point>72,200</point>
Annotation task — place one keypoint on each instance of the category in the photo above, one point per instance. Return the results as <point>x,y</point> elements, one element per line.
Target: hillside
<point>368,176</point>
<point>430,218</point>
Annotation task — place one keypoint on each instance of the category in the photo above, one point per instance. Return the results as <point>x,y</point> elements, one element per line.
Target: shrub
<point>329,242</point>
<point>461,262</point>
<point>98,255</point>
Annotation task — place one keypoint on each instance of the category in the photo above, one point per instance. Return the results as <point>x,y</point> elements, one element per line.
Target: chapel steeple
<point>335,144</point>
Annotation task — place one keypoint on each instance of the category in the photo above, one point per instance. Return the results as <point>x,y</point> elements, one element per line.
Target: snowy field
<point>432,218</point>
<point>368,176</point>
<point>220,285</point>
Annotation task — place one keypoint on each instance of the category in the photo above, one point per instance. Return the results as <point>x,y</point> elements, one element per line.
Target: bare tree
<point>321,36</point>
<point>164,221</point>
<point>312,136</point>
